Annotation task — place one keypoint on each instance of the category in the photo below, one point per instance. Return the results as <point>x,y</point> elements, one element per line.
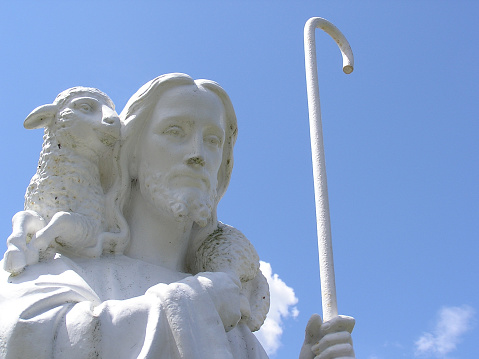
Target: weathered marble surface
<point>119,253</point>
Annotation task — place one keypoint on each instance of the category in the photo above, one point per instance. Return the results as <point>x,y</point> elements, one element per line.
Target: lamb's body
<point>228,250</point>
<point>66,181</point>
<point>65,209</point>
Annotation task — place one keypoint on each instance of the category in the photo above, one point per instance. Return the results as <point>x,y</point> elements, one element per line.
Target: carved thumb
<point>312,334</point>
<point>311,337</point>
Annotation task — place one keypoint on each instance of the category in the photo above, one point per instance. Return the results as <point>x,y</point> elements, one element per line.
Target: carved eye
<point>84,107</point>
<point>213,140</point>
<point>174,131</point>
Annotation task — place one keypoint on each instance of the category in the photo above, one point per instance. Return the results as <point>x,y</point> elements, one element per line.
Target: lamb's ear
<point>40,117</point>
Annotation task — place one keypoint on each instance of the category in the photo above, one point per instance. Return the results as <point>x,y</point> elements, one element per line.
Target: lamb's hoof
<point>14,261</point>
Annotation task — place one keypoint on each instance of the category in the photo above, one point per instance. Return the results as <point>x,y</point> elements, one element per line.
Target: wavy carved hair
<point>136,115</point>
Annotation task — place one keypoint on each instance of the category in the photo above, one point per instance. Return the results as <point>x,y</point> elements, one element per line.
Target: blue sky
<point>401,138</point>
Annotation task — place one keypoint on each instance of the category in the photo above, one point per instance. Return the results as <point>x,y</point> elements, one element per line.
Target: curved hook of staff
<point>328,286</point>
<point>323,24</point>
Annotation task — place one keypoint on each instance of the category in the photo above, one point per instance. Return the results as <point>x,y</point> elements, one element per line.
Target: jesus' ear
<point>40,117</point>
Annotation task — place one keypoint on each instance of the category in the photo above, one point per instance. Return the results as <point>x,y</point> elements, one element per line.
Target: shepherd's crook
<point>326,265</point>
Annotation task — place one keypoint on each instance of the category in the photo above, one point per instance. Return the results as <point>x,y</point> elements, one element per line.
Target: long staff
<point>325,248</point>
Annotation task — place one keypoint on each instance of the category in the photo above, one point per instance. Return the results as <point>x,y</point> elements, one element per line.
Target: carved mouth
<point>191,179</point>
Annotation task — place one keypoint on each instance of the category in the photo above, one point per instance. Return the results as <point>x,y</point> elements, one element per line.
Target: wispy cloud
<point>451,325</point>
<point>283,301</point>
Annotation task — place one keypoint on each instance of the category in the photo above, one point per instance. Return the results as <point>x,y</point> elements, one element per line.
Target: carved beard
<point>186,203</point>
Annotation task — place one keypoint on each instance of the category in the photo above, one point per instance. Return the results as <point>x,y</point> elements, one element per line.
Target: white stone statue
<point>129,260</point>
<point>65,201</point>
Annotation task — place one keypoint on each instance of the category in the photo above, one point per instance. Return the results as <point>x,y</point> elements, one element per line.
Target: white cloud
<point>451,324</point>
<point>283,301</point>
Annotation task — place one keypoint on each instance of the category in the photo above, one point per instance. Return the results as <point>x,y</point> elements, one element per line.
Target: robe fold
<point>114,308</point>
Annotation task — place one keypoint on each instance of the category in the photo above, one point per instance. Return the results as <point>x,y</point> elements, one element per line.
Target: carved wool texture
<point>65,181</point>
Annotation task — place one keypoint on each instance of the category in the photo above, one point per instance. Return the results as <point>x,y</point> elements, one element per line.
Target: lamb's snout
<point>110,117</point>
<point>110,122</point>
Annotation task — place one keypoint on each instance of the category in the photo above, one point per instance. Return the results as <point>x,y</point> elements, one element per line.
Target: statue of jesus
<point>161,287</point>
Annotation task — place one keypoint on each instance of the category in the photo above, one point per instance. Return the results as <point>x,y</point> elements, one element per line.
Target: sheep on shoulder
<point>228,250</point>
<point>65,202</point>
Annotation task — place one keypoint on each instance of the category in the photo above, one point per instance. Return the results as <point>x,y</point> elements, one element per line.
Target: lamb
<point>228,250</point>
<point>65,203</point>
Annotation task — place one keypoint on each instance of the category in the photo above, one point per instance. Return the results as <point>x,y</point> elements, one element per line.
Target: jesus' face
<point>181,152</point>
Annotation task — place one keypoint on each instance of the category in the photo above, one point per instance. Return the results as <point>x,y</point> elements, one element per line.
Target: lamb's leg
<point>69,231</point>
<point>19,254</point>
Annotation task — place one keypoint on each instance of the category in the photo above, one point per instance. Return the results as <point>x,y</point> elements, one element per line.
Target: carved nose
<point>196,161</point>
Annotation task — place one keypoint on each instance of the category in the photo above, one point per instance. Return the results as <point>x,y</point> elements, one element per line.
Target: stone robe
<point>114,308</point>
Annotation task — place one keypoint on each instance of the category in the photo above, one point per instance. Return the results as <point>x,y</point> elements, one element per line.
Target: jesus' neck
<point>156,236</point>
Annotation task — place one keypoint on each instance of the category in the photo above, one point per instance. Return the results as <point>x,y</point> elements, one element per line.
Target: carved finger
<point>330,340</point>
<point>337,352</point>
<point>341,323</point>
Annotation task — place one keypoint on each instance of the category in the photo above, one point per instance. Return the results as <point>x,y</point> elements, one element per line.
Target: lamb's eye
<point>84,107</point>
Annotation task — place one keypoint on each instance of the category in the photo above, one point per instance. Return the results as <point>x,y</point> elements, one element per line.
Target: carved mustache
<point>185,173</point>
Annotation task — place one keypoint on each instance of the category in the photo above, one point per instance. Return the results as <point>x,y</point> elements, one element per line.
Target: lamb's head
<point>80,117</point>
